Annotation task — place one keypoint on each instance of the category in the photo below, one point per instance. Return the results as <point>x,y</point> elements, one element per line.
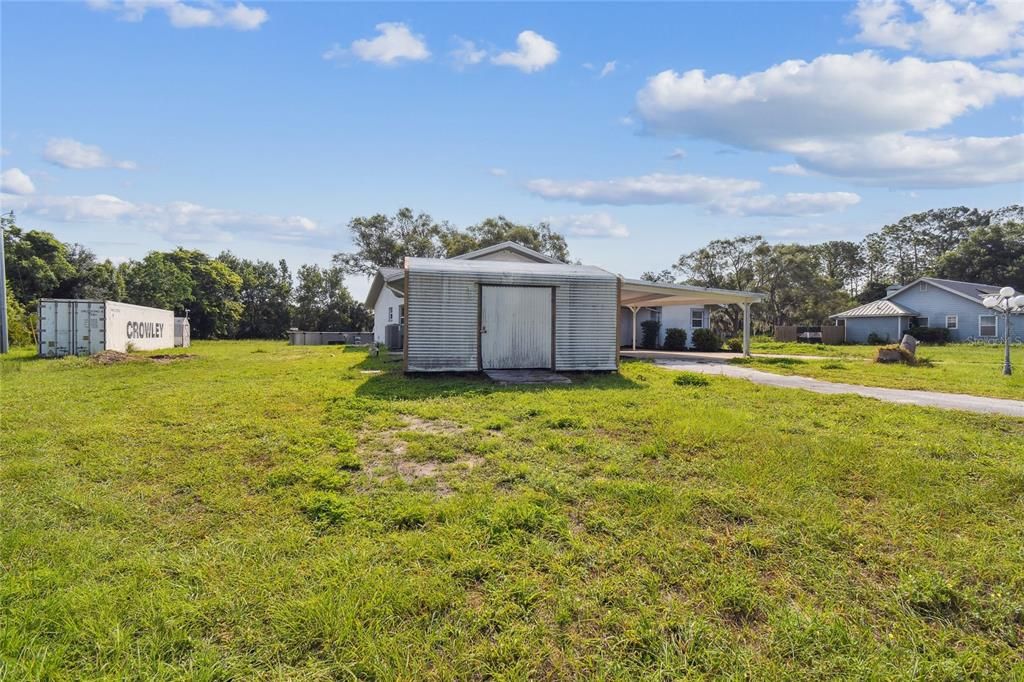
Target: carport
<point>638,294</point>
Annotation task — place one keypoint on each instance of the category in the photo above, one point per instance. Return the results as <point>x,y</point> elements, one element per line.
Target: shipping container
<point>84,327</point>
<point>182,332</point>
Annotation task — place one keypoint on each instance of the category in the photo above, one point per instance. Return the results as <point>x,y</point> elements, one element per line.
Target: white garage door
<point>515,327</point>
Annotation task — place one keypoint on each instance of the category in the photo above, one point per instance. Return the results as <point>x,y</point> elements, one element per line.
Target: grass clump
<point>690,379</point>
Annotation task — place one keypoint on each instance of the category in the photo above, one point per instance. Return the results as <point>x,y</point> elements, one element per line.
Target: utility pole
<point>4,337</point>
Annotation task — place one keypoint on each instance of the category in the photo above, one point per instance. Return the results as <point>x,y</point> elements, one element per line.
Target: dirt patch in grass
<point>389,455</point>
<point>115,357</point>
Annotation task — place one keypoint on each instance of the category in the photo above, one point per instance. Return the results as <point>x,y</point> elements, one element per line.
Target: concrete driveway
<point>946,401</point>
<point>698,356</point>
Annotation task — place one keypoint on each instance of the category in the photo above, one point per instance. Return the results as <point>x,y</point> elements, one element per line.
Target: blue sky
<point>639,131</point>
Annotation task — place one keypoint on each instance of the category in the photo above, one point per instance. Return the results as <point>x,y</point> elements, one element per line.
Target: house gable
<point>936,303</point>
<point>508,251</point>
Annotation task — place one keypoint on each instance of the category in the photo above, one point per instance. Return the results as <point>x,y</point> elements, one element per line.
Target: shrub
<point>939,335</point>
<point>675,339</point>
<point>706,340</point>
<point>649,338</point>
<point>877,339</point>
<point>734,345</point>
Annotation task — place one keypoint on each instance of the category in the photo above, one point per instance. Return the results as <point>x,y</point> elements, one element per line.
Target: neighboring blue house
<point>927,302</point>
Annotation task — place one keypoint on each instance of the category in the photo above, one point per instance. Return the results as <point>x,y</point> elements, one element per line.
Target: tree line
<point>805,283</point>
<point>232,297</point>
<point>225,296</point>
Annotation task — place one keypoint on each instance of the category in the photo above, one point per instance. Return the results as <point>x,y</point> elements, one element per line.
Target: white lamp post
<point>1005,302</point>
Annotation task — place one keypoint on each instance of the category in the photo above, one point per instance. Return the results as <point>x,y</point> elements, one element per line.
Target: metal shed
<point>469,315</point>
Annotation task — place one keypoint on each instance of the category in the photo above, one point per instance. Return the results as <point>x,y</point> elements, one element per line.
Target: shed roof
<point>458,266</point>
<point>880,308</point>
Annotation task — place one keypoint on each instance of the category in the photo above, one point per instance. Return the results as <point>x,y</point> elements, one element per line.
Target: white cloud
<point>498,172</point>
<point>467,53</point>
<point>15,181</point>
<point>208,14</point>
<point>656,188</point>
<point>677,154</point>
<point>607,69</point>
<point>791,204</point>
<point>394,44</point>
<point>599,225</point>
<point>911,161</point>
<point>789,169</point>
<point>718,195</point>
<point>535,52</point>
<point>69,153</point>
<point>178,219</point>
<point>1014,63</point>
<point>859,107</point>
<point>941,28</point>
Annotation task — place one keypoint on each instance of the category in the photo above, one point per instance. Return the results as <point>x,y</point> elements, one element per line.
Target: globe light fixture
<point>1005,303</point>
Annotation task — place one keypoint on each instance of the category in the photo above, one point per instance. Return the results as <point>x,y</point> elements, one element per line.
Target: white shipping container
<point>82,327</point>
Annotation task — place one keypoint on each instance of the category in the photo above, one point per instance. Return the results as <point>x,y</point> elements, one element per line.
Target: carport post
<point>633,309</point>
<point>746,330</point>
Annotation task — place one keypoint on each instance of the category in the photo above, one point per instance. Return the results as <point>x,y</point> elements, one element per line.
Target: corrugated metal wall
<point>442,319</point>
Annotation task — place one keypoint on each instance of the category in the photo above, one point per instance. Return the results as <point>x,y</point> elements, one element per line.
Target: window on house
<point>656,314</point>
<point>401,314</point>
<point>919,322</point>
<point>952,322</point>
<point>697,318</point>
<point>987,325</point>
<point>391,313</point>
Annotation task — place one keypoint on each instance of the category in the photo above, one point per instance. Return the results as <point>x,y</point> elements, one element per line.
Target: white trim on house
<point>995,326</point>
<point>956,321</point>
<point>693,318</point>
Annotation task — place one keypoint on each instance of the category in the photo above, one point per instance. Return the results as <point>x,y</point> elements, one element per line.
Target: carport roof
<point>639,292</point>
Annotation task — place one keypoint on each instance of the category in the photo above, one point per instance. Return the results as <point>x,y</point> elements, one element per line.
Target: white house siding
<point>672,317</point>
<point>443,319</point>
<point>935,303</point>
<point>387,299</point>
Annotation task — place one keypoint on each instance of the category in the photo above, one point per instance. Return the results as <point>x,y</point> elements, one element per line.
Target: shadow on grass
<point>392,384</point>
<point>778,362</point>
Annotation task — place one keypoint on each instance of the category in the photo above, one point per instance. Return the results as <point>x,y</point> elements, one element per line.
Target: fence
<point>831,335</point>
<point>301,338</point>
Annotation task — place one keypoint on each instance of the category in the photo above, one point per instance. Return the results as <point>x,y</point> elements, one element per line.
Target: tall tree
<point>384,241</point>
<point>322,303</point>
<point>37,262</point>
<point>265,295</point>
<point>157,281</point>
<point>539,237</point>
<point>990,255</point>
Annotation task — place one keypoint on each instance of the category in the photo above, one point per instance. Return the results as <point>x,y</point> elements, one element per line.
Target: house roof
<point>880,308</point>
<point>523,251</point>
<point>389,277</point>
<point>456,266</point>
<point>640,292</point>
<point>969,290</point>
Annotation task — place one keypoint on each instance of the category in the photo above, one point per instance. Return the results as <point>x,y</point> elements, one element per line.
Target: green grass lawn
<point>953,368</point>
<point>266,511</point>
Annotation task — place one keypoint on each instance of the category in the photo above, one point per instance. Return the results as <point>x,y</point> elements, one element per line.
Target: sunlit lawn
<point>953,368</point>
<point>266,511</point>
